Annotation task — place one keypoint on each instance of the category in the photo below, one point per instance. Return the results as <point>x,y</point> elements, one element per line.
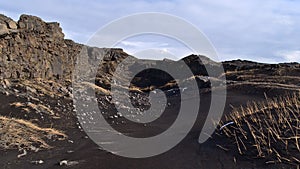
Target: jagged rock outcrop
<point>32,48</point>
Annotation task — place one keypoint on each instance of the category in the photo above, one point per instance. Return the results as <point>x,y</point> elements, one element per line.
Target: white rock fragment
<point>33,148</point>
<point>23,154</point>
<point>68,163</point>
<point>37,162</point>
<point>63,162</point>
<point>227,124</point>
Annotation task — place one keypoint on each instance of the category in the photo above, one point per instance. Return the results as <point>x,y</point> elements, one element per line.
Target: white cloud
<point>251,29</point>
<point>284,20</point>
<point>140,44</point>
<point>290,56</point>
<point>160,50</point>
<point>157,54</point>
<point>260,59</point>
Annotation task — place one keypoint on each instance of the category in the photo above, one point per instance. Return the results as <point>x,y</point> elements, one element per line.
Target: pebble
<point>37,162</point>
<point>68,163</point>
<point>23,154</point>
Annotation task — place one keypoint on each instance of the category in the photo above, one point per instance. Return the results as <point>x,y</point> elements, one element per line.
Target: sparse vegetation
<point>269,130</point>
<point>22,134</point>
<point>36,107</point>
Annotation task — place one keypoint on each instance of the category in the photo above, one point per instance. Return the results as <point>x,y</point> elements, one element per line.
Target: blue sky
<point>264,31</point>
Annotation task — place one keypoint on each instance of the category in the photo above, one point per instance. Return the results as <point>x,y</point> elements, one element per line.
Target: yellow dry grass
<point>96,88</point>
<point>269,130</point>
<point>17,104</point>
<point>36,107</point>
<point>22,134</point>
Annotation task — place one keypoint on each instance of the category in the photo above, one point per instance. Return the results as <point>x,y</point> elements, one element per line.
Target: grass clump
<point>22,134</point>
<point>269,129</point>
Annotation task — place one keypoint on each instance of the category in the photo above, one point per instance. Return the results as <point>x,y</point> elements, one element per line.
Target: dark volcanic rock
<point>32,48</point>
<point>35,49</point>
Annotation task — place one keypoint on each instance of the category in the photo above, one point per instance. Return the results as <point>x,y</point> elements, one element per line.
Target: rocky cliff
<point>33,49</point>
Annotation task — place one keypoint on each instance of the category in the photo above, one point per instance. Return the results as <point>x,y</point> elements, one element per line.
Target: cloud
<point>249,29</point>
<point>140,44</point>
<point>161,50</point>
<point>290,56</point>
<point>261,59</point>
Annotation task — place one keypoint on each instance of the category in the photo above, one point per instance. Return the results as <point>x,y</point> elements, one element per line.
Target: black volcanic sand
<point>186,155</point>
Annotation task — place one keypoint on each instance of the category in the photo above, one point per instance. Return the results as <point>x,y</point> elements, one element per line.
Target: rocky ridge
<point>33,49</point>
<point>37,63</point>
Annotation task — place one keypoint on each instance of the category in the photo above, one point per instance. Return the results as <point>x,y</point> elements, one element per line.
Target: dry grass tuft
<point>35,107</point>
<point>96,88</point>
<point>269,130</point>
<point>21,134</point>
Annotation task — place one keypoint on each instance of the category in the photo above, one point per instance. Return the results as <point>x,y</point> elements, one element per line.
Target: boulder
<point>3,29</point>
<point>12,25</point>
<point>31,23</point>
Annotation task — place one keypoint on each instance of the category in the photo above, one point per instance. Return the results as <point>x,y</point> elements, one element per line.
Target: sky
<point>265,31</point>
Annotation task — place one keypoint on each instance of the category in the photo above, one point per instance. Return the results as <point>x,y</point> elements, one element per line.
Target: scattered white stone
<point>6,83</point>
<point>16,91</point>
<point>227,124</point>
<point>68,163</point>
<point>23,154</point>
<point>33,148</point>
<point>63,162</point>
<point>37,162</point>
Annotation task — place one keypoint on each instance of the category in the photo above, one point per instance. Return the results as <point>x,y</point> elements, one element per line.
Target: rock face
<point>32,48</point>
